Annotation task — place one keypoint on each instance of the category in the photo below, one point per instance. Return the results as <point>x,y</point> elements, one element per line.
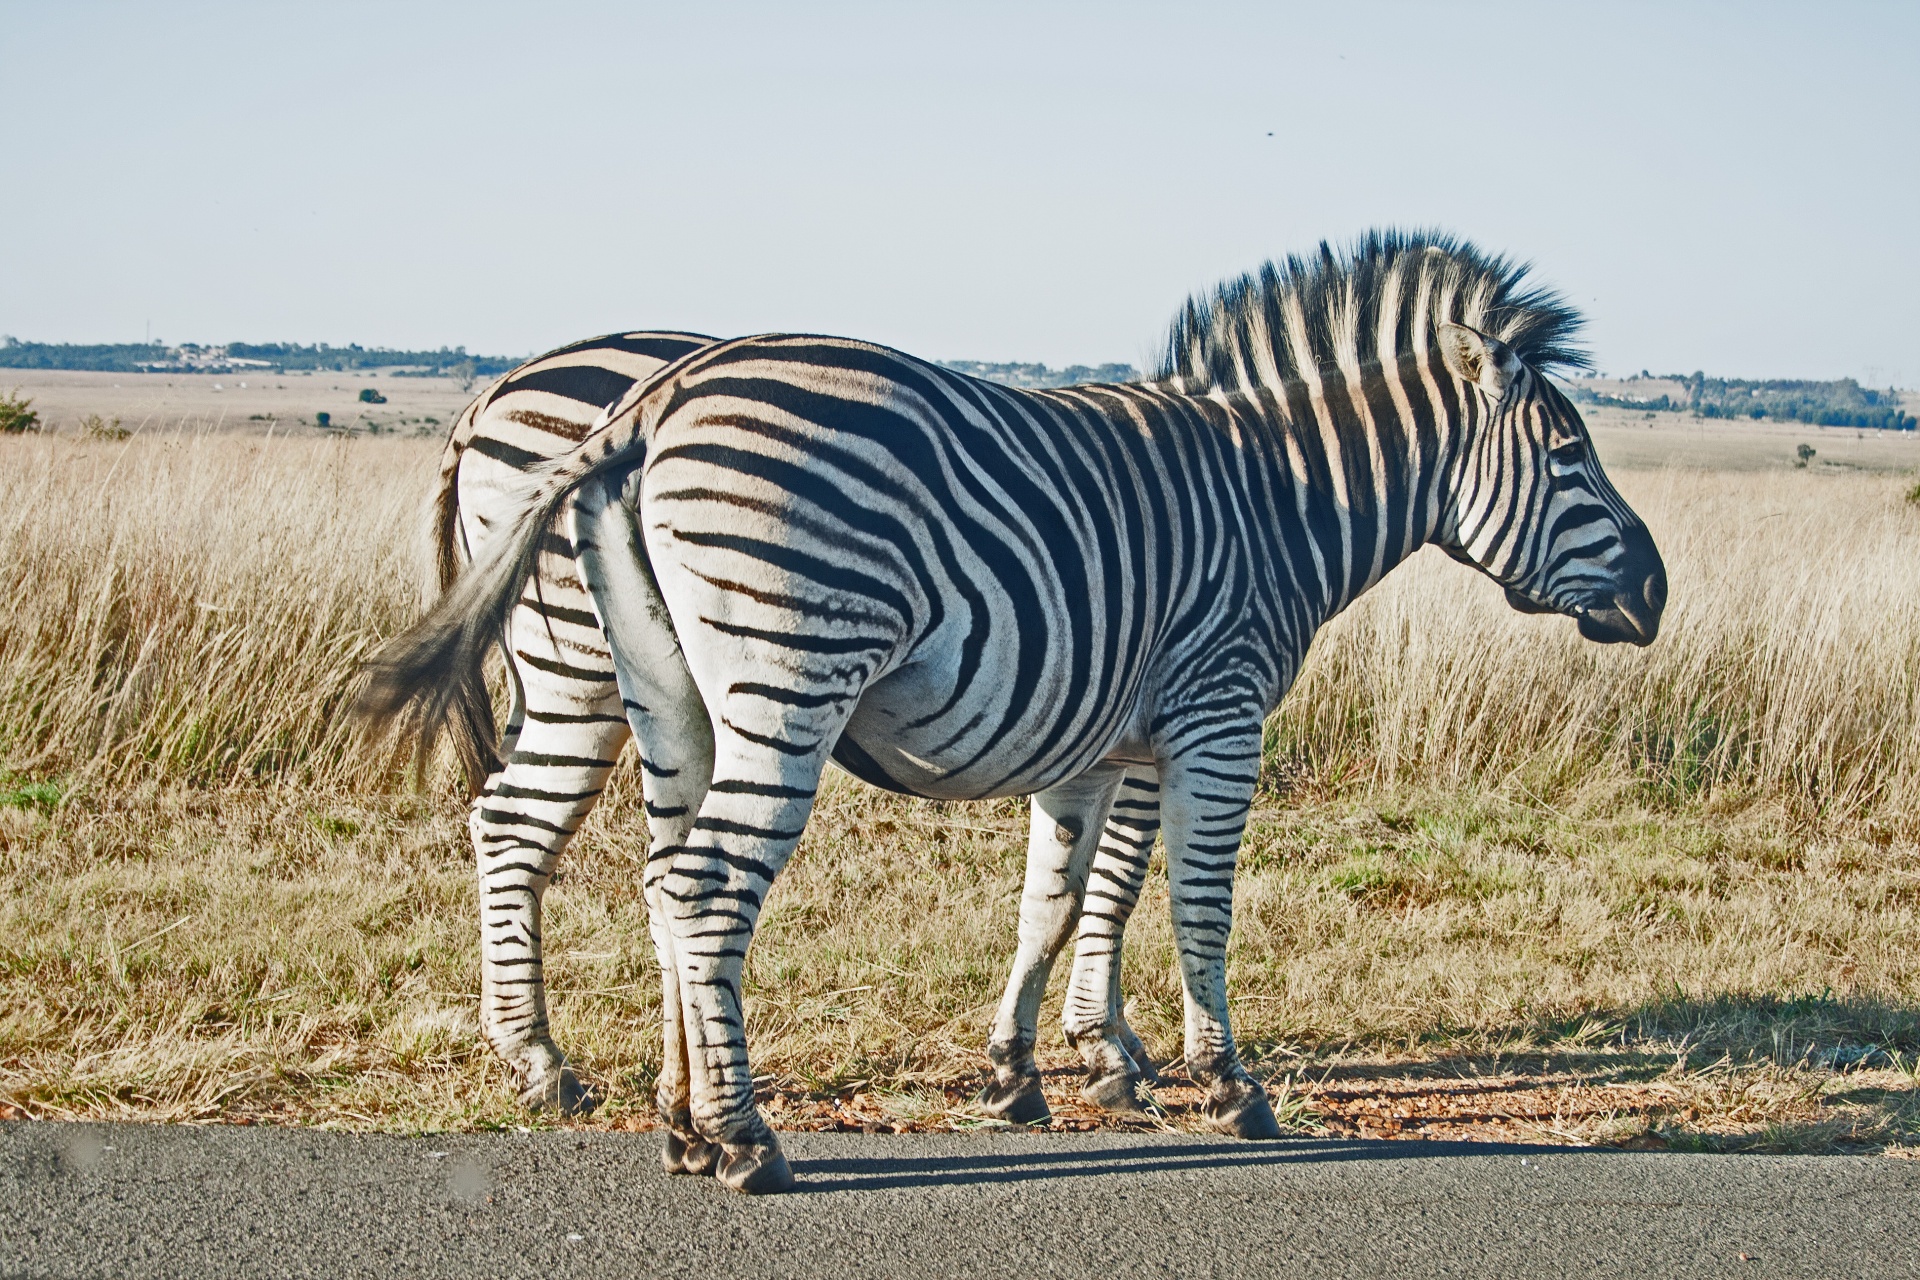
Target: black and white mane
<point>1300,318</point>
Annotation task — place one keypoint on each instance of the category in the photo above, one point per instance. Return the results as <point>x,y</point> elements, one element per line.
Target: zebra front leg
<point>1065,828</point>
<point>1205,795</point>
<point>1118,1069</point>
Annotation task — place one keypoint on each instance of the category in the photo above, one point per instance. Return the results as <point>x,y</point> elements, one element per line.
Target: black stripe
<point>585,383</point>
<point>501,451</point>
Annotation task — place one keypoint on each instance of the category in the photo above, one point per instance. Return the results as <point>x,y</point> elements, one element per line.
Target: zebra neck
<point>1361,466</point>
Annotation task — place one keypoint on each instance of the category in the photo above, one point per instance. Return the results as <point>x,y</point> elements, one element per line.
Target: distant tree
<point>369,396</point>
<point>464,373</point>
<point>1803,455</point>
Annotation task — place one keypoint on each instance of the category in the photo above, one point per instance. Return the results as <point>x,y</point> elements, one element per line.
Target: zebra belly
<point>886,743</point>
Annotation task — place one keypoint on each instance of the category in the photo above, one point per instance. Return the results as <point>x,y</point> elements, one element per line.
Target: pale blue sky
<point>1730,187</point>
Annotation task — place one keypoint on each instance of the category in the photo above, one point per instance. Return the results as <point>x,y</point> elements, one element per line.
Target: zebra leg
<point>674,793</point>
<point>675,740</point>
<point>1118,1068</point>
<point>711,894</point>
<point>1065,828</point>
<point>569,732</point>
<point>678,767</point>
<point>1206,793</point>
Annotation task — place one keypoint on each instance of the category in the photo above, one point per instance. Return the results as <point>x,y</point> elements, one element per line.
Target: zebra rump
<point>432,683</point>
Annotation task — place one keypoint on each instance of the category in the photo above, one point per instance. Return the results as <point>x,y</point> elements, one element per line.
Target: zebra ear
<point>1472,356</point>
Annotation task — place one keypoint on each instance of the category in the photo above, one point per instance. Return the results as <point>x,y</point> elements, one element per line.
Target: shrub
<point>94,427</point>
<point>369,396</point>
<point>40,796</point>
<point>17,415</point>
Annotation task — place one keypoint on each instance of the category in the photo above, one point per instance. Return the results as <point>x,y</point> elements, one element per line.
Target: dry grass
<point>1507,883</point>
<point>191,608</point>
<point>1788,667</point>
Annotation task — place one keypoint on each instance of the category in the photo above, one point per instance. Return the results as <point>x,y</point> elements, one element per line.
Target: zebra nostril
<point>1654,591</point>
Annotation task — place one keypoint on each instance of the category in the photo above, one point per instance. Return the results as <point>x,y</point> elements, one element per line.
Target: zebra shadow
<point>1116,1156</point>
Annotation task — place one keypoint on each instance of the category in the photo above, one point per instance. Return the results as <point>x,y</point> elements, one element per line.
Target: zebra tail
<point>443,530</point>
<point>469,720</point>
<point>430,679</point>
<point>427,680</point>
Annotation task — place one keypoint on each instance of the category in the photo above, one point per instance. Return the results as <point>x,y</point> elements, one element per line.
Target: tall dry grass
<point>1788,665</point>
<point>193,607</point>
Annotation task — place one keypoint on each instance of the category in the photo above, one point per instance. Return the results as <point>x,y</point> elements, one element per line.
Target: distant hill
<point>234,357</point>
<point>1843,403</point>
<point>1036,377</point>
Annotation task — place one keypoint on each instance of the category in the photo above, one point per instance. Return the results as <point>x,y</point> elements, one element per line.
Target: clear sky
<point>1733,187</point>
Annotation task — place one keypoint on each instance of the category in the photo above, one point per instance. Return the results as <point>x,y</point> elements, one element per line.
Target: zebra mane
<point>1336,309</point>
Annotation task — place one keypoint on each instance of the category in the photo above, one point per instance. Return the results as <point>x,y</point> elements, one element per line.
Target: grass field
<point>1501,883</point>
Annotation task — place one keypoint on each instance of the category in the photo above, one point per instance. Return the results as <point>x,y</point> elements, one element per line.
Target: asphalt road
<point>111,1200</point>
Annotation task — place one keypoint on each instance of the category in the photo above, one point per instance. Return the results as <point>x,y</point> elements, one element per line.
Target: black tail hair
<point>468,719</point>
<point>430,679</point>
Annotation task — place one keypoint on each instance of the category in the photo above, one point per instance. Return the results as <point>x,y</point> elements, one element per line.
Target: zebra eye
<point>1567,454</point>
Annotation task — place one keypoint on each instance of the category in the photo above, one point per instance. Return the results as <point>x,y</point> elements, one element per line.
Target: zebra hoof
<point>756,1169</point>
<point>1243,1112</point>
<point>1138,1052</point>
<point>559,1092</point>
<point>1018,1101</point>
<point>694,1157</point>
<point>1120,1093</point>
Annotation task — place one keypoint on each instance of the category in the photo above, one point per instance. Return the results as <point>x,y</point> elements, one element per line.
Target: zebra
<point>802,548</point>
<point>565,725</point>
<point>564,728</point>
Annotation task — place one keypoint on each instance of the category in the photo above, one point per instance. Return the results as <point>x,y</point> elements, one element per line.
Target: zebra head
<point>1533,508</point>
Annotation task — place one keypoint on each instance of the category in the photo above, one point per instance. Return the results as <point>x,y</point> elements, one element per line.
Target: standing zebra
<point>565,724</point>
<point>804,547</point>
<point>565,727</point>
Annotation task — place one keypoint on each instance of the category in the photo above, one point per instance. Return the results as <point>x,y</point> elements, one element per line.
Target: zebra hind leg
<point>520,823</point>
<point>1119,1072</point>
<point>1065,827</point>
<point>676,784</point>
<point>674,738</point>
<point>564,731</point>
<point>764,781</point>
<point>686,1151</point>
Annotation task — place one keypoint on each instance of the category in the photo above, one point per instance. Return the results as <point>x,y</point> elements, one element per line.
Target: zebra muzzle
<point>1632,616</point>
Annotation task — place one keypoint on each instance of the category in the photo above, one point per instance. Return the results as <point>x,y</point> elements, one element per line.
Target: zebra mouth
<point>1612,626</point>
<point>1629,617</point>
<point>1620,619</point>
<point>1521,602</point>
